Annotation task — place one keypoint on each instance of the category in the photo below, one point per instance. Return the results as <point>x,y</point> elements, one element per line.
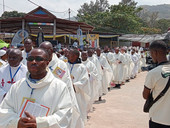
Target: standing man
<point>41,86</point>
<point>135,64</point>
<point>118,68</point>
<point>95,61</point>
<point>156,81</point>
<point>28,45</point>
<point>80,80</point>
<point>107,71</point>
<point>93,75</point>
<point>60,70</point>
<point>12,72</point>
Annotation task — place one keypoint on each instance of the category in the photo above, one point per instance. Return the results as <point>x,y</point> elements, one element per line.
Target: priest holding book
<point>43,89</point>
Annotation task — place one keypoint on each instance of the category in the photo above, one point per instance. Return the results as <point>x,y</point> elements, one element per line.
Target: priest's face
<point>84,56</point>
<point>72,57</point>
<point>37,63</point>
<point>116,51</point>
<point>14,57</point>
<point>98,51</point>
<point>28,45</point>
<point>90,53</point>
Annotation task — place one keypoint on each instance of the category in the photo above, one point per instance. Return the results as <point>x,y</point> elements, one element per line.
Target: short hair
<point>75,52</point>
<point>159,45</point>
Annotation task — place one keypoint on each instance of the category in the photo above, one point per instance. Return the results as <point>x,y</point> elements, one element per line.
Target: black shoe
<point>100,98</point>
<point>108,89</point>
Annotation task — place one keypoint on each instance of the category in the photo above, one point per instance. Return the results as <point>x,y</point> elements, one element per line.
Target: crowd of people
<point>67,82</point>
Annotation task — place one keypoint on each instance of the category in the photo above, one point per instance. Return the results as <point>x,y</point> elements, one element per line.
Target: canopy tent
<point>142,38</point>
<point>3,44</point>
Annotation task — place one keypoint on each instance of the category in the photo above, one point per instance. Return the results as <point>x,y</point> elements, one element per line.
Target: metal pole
<point>54,30</point>
<point>69,13</point>
<point>3,6</point>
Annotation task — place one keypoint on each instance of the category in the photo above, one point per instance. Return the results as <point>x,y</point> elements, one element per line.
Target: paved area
<point>121,108</point>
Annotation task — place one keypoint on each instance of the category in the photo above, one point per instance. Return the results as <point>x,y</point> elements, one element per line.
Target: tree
<point>120,18</point>
<point>92,8</point>
<point>129,2</point>
<point>7,14</point>
<point>124,19</point>
<point>163,24</point>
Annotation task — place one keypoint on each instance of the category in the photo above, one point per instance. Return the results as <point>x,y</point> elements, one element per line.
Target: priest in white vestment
<point>94,60</point>
<point>93,75</point>
<point>143,59</point>
<point>107,71</point>
<point>28,45</point>
<point>80,79</point>
<point>135,62</point>
<point>39,86</point>
<point>118,69</point>
<point>110,58</point>
<point>60,70</point>
<point>12,72</point>
<point>139,60</point>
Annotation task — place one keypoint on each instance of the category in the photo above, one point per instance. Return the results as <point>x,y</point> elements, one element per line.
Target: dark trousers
<point>156,125</point>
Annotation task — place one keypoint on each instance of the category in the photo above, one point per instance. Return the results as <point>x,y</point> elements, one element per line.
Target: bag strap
<point>163,91</point>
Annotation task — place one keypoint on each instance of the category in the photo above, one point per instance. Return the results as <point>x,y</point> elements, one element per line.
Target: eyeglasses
<point>36,58</point>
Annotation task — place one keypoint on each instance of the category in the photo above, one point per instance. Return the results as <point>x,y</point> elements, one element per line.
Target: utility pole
<point>3,6</point>
<point>69,13</point>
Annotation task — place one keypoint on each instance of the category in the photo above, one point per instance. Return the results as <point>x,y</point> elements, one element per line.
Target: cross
<point>11,82</point>
<point>2,82</point>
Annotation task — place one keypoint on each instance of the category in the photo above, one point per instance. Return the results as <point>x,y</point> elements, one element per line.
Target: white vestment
<point>6,81</point>
<point>143,60</point>
<point>139,61</point>
<point>81,84</point>
<point>118,68</point>
<point>49,92</point>
<point>93,75</point>
<point>135,68</point>
<point>100,74</point>
<point>55,65</point>
<point>63,58</point>
<point>110,58</point>
<point>107,73</point>
<point>24,55</point>
<point>130,66</point>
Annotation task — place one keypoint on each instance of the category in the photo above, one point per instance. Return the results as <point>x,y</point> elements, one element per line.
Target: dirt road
<point>121,108</point>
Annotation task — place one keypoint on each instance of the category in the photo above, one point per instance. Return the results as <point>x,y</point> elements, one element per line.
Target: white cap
<point>2,52</point>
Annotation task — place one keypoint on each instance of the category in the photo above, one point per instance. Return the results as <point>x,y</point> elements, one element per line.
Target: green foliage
<point>120,18</point>
<point>163,24</point>
<point>7,14</point>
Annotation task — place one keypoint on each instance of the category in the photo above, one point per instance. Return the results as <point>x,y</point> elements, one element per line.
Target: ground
<point>121,108</point>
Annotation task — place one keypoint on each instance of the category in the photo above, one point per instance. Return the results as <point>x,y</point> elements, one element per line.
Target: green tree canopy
<point>120,18</point>
<point>7,14</point>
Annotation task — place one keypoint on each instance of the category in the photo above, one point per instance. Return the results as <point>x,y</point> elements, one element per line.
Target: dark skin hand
<point>146,93</point>
<point>27,122</point>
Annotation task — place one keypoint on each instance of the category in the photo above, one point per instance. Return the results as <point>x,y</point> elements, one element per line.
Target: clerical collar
<point>78,61</point>
<point>33,80</point>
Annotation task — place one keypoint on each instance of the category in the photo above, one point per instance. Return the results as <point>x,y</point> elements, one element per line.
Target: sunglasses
<point>36,58</point>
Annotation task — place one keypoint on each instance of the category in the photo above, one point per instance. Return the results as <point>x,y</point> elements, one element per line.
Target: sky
<point>60,7</point>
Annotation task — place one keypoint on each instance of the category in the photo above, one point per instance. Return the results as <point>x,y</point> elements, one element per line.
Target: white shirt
<point>160,111</point>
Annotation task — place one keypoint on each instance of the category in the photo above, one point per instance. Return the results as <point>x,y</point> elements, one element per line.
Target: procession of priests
<point>42,88</point>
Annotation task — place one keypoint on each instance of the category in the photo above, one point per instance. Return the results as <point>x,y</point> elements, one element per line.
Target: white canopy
<point>142,38</point>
